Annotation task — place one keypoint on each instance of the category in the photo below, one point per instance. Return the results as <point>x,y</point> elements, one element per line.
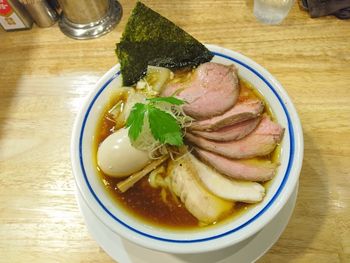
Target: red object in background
<point>5,8</point>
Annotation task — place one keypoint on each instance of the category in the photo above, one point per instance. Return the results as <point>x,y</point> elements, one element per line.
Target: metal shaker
<point>41,12</point>
<point>85,19</point>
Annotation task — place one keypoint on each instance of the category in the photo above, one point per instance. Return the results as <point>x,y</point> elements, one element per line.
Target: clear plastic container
<point>272,11</point>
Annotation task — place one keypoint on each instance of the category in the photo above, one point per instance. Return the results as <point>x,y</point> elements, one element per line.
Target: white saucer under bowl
<point>246,251</point>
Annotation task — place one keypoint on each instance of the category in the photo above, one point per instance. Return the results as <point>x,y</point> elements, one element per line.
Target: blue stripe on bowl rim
<point>262,211</point>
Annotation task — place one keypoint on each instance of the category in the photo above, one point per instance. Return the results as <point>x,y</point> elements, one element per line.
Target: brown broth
<point>145,202</point>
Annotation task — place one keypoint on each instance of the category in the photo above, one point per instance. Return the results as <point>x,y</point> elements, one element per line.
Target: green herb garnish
<point>151,39</point>
<point>135,120</point>
<point>171,100</point>
<point>164,126</point>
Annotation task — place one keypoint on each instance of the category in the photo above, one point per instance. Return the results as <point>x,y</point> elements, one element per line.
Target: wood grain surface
<point>44,77</point>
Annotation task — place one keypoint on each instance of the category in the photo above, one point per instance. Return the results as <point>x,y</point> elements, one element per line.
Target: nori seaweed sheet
<point>151,39</point>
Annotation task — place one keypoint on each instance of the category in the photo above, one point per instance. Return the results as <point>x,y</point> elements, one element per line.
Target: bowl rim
<point>294,162</point>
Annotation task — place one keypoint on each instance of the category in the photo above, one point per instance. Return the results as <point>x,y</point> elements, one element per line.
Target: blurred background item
<point>317,8</point>
<point>85,19</point>
<point>54,4</point>
<point>272,11</point>
<point>13,16</point>
<point>41,12</point>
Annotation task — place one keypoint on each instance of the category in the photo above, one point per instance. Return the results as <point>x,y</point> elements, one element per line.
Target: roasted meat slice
<point>230,133</point>
<point>225,187</point>
<point>260,142</point>
<point>212,90</point>
<point>242,111</point>
<point>248,170</point>
<point>202,204</point>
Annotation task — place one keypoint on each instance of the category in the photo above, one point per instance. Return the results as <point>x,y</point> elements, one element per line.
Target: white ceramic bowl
<point>208,239</point>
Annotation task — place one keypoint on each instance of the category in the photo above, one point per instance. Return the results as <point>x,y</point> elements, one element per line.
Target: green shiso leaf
<point>164,127</point>
<point>135,120</point>
<point>151,39</point>
<point>171,100</point>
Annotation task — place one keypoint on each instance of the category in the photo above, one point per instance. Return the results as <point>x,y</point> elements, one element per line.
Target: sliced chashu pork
<point>242,111</point>
<point>230,133</point>
<point>202,204</point>
<point>212,90</point>
<point>260,142</point>
<point>249,170</point>
<point>230,189</point>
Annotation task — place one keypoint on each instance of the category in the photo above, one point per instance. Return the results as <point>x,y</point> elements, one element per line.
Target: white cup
<point>272,11</point>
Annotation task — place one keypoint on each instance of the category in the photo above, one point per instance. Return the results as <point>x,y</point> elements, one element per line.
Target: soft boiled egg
<point>118,158</point>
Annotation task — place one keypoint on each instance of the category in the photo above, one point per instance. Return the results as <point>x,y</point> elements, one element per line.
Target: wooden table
<point>44,77</point>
